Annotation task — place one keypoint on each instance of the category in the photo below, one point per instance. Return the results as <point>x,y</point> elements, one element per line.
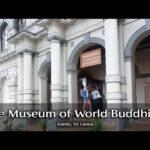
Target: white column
<point>122,64</point>
<point>113,79</point>
<point>56,62</point>
<point>56,72</point>
<point>130,75</point>
<point>12,85</point>
<point>43,90</point>
<point>20,78</point>
<point>13,93</point>
<point>64,60</point>
<point>72,83</point>
<point>1,95</point>
<point>35,77</point>
<point>64,79</point>
<point>27,61</point>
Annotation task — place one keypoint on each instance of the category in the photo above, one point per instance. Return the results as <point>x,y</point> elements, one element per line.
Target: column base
<point>28,98</point>
<point>114,96</point>
<point>57,103</point>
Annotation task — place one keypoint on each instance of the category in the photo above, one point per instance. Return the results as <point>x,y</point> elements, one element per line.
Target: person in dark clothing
<point>96,99</point>
<point>99,89</point>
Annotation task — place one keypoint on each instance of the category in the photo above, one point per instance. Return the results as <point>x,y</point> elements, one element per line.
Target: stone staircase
<point>142,124</point>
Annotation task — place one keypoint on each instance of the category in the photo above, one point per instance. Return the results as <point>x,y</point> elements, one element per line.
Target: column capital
<point>20,54</point>
<point>27,53</point>
<point>71,71</point>
<point>25,49</point>
<point>109,19</point>
<point>56,39</point>
<point>42,77</point>
<point>130,58</point>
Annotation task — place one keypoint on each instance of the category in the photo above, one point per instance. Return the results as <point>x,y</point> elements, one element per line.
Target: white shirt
<point>95,94</point>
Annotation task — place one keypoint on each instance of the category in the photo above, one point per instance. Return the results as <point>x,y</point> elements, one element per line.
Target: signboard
<point>90,58</point>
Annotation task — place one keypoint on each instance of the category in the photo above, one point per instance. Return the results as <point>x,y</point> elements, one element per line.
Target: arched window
<point>20,24</point>
<point>4,37</point>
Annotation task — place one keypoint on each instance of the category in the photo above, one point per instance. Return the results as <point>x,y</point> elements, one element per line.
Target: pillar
<point>73,90</point>
<point>35,76</point>
<point>130,75</point>
<point>56,73</point>
<point>113,78</point>
<point>64,80</point>
<point>12,90</point>
<point>122,64</point>
<point>20,78</point>
<point>27,62</point>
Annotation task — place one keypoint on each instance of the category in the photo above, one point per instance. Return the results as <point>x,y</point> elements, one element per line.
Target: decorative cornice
<point>67,21</point>
<point>21,35</point>
<point>7,56</point>
<point>46,22</point>
<point>26,34</point>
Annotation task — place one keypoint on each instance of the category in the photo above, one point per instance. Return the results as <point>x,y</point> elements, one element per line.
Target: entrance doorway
<point>49,89</point>
<point>142,72</point>
<point>92,76</point>
<point>45,85</point>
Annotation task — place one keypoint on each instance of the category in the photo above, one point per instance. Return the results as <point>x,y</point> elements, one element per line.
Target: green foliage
<point>43,123</point>
<point>9,126</point>
<point>97,124</point>
<point>1,126</point>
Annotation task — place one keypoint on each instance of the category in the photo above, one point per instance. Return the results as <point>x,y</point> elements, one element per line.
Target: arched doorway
<point>96,72</point>
<point>92,75</point>
<point>137,66</point>
<point>45,84</point>
<point>142,72</point>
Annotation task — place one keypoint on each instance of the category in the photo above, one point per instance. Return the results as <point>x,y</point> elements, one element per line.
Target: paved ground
<point>35,126</point>
<point>139,125</point>
<point>142,124</point>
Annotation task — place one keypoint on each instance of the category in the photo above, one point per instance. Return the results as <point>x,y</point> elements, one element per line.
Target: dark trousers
<point>97,104</point>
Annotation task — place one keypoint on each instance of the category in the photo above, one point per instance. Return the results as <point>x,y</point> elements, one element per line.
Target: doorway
<point>92,76</point>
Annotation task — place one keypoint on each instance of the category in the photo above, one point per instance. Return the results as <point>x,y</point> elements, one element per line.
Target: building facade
<point>40,59</point>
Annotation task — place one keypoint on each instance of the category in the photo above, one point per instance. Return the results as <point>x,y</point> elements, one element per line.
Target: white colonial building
<point>40,59</point>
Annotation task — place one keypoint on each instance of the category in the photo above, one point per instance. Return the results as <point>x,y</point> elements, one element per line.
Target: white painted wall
<point>82,26</point>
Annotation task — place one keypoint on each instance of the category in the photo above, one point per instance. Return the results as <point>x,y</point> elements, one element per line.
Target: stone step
<point>142,121</point>
<point>34,126</point>
<point>31,128</point>
<point>142,124</point>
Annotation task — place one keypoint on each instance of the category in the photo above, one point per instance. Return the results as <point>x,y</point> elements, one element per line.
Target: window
<point>4,37</point>
<point>20,23</point>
